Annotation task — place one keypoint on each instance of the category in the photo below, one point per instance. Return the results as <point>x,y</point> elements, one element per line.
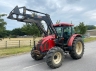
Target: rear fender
<point>71,39</point>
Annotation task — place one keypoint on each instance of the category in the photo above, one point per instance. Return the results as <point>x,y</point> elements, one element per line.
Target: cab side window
<point>67,30</point>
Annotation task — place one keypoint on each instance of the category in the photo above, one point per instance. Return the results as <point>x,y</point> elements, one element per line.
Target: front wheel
<point>55,57</point>
<point>77,48</point>
<point>36,56</point>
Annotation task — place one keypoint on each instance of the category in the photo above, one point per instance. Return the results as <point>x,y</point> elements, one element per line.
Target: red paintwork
<point>70,41</point>
<point>63,24</point>
<point>47,41</point>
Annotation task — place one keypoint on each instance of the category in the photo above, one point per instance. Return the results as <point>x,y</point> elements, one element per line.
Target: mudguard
<point>71,39</point>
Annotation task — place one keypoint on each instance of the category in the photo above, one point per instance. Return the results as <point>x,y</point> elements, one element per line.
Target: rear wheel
<point>77,48</point>
<point>55,57</point>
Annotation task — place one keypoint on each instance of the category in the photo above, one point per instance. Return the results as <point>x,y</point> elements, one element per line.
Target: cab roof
<point>63,24</point>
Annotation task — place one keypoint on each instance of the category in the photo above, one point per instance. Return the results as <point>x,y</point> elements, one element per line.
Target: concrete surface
<point>26,63</point>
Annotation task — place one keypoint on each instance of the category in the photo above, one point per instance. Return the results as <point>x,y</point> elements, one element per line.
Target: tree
<point>90,27</point>
<point>17,32</point>
<point>6,33</point>
<point>81,29</point>
<point>2,25</point>
<point>31,29</point>
<point>76,29</point>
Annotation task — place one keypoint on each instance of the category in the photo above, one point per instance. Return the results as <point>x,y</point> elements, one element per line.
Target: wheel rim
<point>57,57</point>
<point>79,48</point>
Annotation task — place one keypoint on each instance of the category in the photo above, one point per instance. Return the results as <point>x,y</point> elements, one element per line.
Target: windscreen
<point>63,31</point>
<point>59,31</point>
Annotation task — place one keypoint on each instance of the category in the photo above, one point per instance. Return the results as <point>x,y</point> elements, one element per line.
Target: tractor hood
<point>46,43</point>
<point>49,37</point>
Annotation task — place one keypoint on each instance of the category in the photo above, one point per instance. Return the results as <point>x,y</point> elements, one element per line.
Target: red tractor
<point>58,38</point>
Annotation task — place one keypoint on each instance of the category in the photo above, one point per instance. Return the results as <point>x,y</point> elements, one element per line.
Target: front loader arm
<point>23,16</point>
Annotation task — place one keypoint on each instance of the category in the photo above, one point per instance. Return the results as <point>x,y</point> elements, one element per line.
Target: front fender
<point>71,39</point>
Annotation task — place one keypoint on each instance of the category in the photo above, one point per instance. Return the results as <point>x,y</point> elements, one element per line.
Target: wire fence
<point>16,43</point>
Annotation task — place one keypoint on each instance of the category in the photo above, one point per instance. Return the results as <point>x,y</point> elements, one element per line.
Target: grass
<point>12,51</point>
<point>90,39</point>
<point>16,50</point>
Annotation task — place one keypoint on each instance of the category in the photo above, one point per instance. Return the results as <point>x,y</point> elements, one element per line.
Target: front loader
<point>58,38</point>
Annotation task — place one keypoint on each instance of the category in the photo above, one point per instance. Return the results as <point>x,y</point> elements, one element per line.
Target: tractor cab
<point>64,30</point>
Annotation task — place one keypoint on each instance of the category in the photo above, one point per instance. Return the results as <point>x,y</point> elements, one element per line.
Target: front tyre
<point>55,57</point>
<point>77,48</point>
<point>36,56</point>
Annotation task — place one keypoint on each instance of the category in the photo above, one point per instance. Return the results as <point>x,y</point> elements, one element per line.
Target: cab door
<point>67,32</point>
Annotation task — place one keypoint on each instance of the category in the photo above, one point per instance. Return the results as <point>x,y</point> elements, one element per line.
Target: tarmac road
<point>26,63</point>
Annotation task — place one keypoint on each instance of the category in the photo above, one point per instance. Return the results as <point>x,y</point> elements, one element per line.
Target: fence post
<point>19,43</point>
<point>30,43</point>
<point>6,44</point>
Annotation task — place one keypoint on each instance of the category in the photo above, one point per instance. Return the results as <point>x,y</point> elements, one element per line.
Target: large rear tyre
<point>77,48</point>
<point>36,56</point>
<point>55,57</point>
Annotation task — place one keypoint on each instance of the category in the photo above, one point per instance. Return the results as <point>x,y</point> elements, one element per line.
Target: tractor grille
<point>39,44</point>
<point>45,45</point>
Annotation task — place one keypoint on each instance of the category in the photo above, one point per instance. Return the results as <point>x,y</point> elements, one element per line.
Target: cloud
<point>72,1</point>
<point>63,10</point>
<point>6,7</point>
<point>11,3</point>
<point>72,9</point>
<point>91,15</point>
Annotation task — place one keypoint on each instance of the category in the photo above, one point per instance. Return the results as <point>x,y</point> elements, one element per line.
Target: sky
<point>64,10</point>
